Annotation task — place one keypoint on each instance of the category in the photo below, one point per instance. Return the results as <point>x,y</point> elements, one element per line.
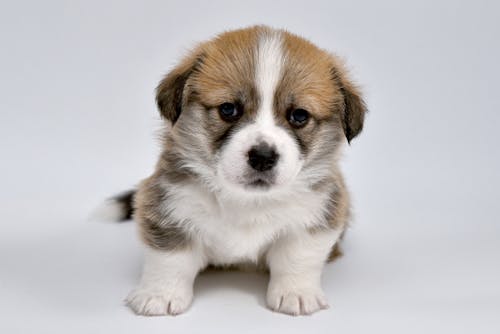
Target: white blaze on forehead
<point>233,169</point>
<point>268,72</point>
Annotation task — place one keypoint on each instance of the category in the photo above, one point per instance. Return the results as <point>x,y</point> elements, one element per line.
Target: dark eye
<point>298,117</point>
<point>230,112</point>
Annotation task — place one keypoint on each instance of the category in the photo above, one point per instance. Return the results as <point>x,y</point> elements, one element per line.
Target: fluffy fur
<point>206,205</point>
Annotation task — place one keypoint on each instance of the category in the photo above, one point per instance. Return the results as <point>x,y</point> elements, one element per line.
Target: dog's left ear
<point>171,90</point>
<point>354,107</point>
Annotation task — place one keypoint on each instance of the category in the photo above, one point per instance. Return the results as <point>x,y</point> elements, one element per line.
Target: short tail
<point>117,209</point>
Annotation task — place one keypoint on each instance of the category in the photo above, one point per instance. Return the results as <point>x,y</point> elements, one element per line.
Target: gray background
<point>78,123</point>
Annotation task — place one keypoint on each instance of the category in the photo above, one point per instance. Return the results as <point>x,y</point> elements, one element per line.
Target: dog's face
<point>257,111</point>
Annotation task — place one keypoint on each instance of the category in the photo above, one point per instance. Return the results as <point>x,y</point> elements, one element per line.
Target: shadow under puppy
<point>248,173</point>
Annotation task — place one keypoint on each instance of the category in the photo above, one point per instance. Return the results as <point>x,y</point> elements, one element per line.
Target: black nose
<point>262,157</point>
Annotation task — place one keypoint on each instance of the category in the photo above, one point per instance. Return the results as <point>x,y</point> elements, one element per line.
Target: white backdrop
<point>78,123</point>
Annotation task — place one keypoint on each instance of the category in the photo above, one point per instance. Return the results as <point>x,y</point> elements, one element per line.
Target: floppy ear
<point>170,91</point>
<point>354,107</point>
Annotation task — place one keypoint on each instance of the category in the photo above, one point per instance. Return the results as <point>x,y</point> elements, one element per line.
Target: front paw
<point>151,302</point>
<point>295,300</point>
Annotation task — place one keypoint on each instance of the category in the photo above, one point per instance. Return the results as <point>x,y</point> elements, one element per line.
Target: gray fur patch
<point>164,236</point>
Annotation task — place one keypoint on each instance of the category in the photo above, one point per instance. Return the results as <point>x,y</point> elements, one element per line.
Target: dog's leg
<point>166,286</point>
<point>296,262</point>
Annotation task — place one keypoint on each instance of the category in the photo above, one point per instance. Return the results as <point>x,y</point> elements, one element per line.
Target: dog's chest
<point>240,233</point>
<point>229,240</point>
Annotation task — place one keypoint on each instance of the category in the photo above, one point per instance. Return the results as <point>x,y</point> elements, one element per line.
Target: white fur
<point>111,210</point>
<point>166,285</point>
<point>233,161</point>
<point>296,263</point>
<point>248,228</point>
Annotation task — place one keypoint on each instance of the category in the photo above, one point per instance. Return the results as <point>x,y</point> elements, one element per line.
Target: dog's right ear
<point>170,92</point>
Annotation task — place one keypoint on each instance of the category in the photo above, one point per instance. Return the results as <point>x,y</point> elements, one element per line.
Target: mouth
<point>259,182</point>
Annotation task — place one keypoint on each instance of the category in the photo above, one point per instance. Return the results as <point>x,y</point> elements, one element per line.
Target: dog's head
<point>257,111</point>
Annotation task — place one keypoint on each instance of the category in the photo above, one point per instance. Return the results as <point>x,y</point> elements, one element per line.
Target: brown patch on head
<point>217,71</point>
<point>316,81</point>
<point>306,81</point>
<point>227,73</point>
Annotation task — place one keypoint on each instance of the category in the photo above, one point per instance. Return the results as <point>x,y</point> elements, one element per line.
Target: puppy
<point>248,173</point>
